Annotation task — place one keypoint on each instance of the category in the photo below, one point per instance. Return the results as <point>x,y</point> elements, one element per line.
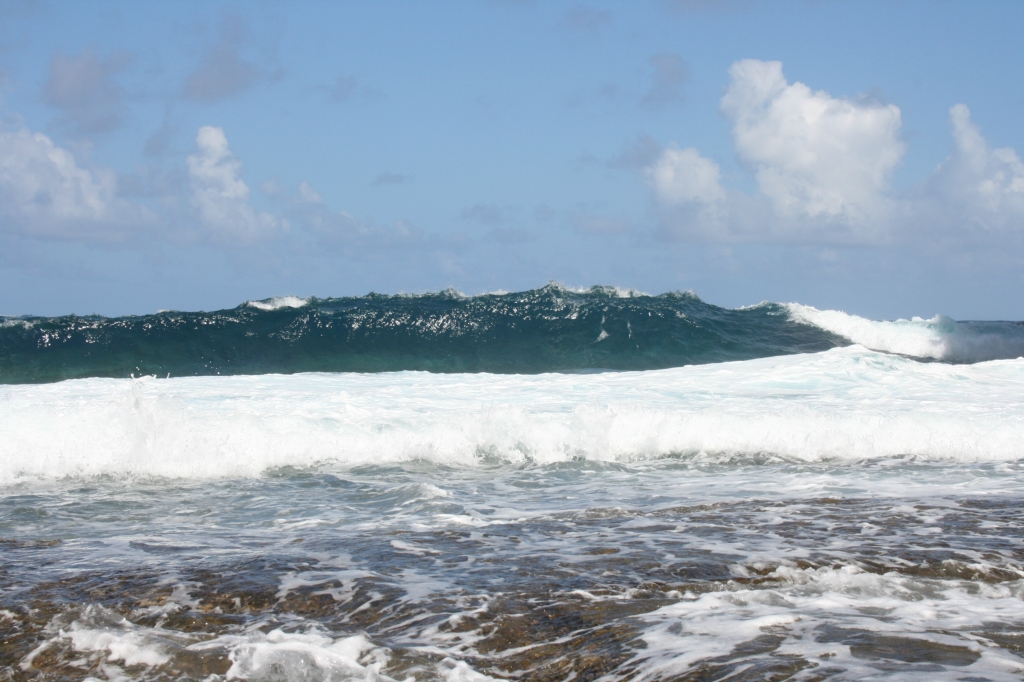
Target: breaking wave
<point>938,338</point>
<point>551,329</point>
<point>845,404</point>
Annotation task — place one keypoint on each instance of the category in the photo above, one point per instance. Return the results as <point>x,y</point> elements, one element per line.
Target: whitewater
<point>590,485</point>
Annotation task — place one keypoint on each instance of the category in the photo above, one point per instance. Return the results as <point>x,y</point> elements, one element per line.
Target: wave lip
<point>551,329</point>
<point>278,302</point>
<point>937,338</point>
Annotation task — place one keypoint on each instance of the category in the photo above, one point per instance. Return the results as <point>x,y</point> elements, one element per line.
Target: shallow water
<point>843,515</point>
<point>687,566</point>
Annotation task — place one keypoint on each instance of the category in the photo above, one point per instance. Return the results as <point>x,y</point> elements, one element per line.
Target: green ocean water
<point>551,329</point>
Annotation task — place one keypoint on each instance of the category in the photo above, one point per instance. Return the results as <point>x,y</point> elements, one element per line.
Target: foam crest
<point>844,404</point>
<point>938,338</point>
<point>278,302</point>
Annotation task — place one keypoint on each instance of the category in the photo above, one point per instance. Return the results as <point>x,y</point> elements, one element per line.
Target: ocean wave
<point>804,607</point>
<point>551,329</point>
<point>938,338</point>
<point>842,405</point>
<point>543,330</point>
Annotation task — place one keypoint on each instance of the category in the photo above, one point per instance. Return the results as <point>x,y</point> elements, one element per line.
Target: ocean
<point>545,485</point>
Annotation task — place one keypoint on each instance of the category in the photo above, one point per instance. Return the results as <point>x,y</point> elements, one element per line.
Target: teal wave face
<point>543,330</point>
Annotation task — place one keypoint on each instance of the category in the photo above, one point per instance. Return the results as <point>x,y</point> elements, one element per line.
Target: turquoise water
<point>544,330</point>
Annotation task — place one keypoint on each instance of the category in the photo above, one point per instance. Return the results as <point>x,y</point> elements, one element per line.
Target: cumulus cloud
<point>980,188</point>
<point>45,193</point>
<point>814,155</point>
<point>689,186</point>
<point>220,197</point>
<point>83,89</point>
<point>681,176</point>
<point>823,167</point>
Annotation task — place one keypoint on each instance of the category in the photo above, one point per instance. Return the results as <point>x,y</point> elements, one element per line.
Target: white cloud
<point>823,167</point>
<point>220,197</point>
<point>688,188</point>
<point>814,155</point>
<point>44,192</point>
<point>681,176</point>
<point>309,195</point>
<point>983,186</point>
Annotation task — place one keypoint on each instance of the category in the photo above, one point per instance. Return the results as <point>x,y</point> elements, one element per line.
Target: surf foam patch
<point>938,338</point>
<point>844,404</point>
<point>278,302</point>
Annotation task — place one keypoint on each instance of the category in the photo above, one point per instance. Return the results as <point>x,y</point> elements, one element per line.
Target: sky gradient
<point>849,155</point>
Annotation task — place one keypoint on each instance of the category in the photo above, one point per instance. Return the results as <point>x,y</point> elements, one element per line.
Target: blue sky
<point>853,155</point>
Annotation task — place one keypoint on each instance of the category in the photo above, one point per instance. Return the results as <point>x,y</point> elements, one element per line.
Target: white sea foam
<point>295,655</point>
<point>802,605</point>
<point>843,620</point>
<point>845,404</point>
<point>279,302</point>
<point>99,637</point>
<point>940,337</point>
<point>99,631</point>
<point>104,638</point>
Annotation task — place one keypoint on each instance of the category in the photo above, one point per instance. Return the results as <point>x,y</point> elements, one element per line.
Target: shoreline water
<point>840,514</point>
<point>890,567</point>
